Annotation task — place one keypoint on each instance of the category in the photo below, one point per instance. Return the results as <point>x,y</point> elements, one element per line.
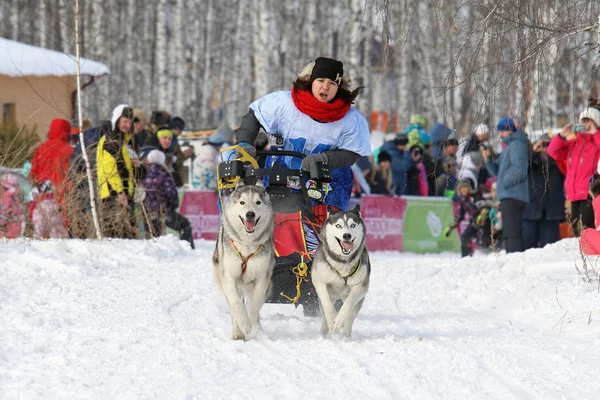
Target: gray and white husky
<point>244,256</point>
<point>341,269</point>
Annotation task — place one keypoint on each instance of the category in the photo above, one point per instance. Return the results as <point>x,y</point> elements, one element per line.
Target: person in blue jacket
<point>511,171</point>
<point>401,162</point>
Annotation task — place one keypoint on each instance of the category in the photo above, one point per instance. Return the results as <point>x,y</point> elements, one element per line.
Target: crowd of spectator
<point>509,192</point>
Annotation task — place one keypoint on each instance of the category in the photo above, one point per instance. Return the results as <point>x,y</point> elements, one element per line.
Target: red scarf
<point>317,110</point>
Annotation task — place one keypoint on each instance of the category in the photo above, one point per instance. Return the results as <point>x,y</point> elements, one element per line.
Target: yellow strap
<point>301,272</point>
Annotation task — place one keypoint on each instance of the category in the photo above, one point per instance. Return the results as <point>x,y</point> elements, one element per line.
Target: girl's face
<point>464,191</point>
<point>324,89</point>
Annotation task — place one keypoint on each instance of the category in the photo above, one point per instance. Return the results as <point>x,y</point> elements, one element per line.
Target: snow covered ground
<point>143,320</point>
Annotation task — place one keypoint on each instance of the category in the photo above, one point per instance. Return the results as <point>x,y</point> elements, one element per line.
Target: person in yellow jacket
<point>115,171</point>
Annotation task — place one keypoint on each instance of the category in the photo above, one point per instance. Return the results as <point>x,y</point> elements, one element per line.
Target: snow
<point>142,320</point>
<point>20,59</point>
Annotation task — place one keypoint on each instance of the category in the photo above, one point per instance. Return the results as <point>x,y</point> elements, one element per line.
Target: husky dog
<point>244,256</point>
<point>341,269</point>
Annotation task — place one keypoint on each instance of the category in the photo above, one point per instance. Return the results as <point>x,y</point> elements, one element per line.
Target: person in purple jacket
<point>161,201</point>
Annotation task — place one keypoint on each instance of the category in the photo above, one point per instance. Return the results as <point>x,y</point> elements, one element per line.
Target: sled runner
<point>296,197</point>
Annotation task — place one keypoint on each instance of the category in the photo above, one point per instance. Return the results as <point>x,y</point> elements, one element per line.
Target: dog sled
<point>297,201</point>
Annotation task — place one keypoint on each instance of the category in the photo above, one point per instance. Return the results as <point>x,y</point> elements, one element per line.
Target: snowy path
<point>135,320</point>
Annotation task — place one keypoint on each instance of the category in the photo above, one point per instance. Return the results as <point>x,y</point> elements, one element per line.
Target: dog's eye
<point>258,202</point>
<point>338,226</point>
<point>242,202</point>
<point>353,226</point>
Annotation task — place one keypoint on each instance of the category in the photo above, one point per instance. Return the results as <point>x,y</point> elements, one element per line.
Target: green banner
<point>425,220</point>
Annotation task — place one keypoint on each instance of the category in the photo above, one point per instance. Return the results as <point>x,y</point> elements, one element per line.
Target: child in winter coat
<point>590,237</point>
<point>161,193</point>
<point>11,207</point>
<point>45,214</point>
<point>161,201</point>
<point>205,168</point>
<point>479,226</point>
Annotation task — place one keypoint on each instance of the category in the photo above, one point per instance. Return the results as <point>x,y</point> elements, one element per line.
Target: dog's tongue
<point>347,245</point>
<point>250,225</point>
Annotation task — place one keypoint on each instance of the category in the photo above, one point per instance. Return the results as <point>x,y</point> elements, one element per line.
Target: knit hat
<point>401,139</point>
<point>328,68</point>
<point>506,124</point>
<point>591,113</point>
<point>156,157</point>
<point>177,123</point>
<point>164,133</point>
<point>383,156</point>
<point>481,129</point>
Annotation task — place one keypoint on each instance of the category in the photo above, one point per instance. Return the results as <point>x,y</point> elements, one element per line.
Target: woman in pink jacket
<point>581,152</point>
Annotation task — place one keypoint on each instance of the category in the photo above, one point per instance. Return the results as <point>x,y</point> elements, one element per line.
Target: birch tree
<point>260,54</point>
<point>160,54</point>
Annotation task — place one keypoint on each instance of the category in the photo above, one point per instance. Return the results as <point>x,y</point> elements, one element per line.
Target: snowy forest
<point>460,62</point>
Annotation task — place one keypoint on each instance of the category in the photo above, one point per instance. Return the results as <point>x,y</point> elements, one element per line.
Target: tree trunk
<point>160,52</point>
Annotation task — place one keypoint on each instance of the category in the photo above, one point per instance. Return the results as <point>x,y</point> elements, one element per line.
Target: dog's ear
<point>357,209</point>
<point>240,183</point>
<point>259,183</point>
<point>330,210</point>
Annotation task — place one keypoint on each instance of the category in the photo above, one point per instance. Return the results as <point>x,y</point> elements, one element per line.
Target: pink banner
<point>202,211</point>
<point>384,219</point>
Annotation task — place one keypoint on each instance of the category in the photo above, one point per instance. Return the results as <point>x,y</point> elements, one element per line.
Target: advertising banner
<point>425,220</point>
<point>384,219</point>
<point>201,209</point>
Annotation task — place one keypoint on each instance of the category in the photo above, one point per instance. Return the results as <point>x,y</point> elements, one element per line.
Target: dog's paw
<point>339,323</point>
<point>243,323</point>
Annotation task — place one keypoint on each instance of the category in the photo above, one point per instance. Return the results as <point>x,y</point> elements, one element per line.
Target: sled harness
<point>244,259</point>
<point>354,270</point>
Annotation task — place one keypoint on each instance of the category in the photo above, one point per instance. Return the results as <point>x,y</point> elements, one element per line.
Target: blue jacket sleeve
<point>518,161</point>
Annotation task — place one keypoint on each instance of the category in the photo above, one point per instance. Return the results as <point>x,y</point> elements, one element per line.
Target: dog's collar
<point>354,270</point>
<point>248,257</point>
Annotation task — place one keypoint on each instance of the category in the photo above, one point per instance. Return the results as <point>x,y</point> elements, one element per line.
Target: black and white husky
<point>341,269</point>
<point>244,256</point>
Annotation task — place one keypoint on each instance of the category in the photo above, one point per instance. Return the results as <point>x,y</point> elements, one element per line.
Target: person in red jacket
<point>51,160</point>
<point>590,237</point>
<point>581,154</point>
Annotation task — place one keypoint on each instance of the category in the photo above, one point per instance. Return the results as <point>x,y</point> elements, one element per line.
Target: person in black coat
<point>546,208</point>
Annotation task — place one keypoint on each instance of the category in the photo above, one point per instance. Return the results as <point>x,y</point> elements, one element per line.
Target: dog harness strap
<point>345,278</point>
<point>244,259</point>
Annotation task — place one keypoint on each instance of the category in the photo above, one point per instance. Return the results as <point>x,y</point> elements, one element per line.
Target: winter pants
<point>181,224</point>
<point>540,232</point>
<point>512,224</point>
<point>582,216</point>
<point>590,242</point>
